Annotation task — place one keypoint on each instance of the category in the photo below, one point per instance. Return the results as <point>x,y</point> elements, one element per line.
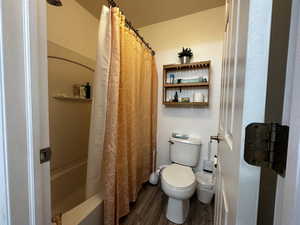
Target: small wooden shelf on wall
<point>176,78</point>
<point>202,84</point>
<point>189,104</point>
<point>71,98</point>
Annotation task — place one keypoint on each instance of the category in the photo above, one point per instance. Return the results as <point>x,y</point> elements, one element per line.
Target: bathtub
<point>68,187</point>
<point>89,212</point>
<point>68,196</point>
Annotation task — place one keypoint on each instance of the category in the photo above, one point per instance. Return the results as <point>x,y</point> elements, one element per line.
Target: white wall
<point>202,32</point>
<point>72,26</point>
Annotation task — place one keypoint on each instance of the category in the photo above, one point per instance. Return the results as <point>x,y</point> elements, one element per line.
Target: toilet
<point>178,180</point>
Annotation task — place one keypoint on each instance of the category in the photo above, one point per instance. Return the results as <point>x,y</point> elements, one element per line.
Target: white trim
<point>224,208</point>
<point>4,187</point>
<point>24,192</point>
<point>29,115</point>
<point>41,125</point>
<point>38,104</point>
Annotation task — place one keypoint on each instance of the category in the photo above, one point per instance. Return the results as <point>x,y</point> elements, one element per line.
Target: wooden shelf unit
<point>186,67</point>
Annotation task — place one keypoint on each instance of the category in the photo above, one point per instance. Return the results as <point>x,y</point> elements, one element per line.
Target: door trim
<point>279,42</point>
<point>4,175</point>
<point>288,189</point>
<point>23,65</point>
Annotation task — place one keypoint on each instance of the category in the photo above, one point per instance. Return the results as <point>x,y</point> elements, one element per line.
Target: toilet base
<point>177,210</point>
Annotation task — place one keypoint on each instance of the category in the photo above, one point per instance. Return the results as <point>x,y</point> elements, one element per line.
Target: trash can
<point>205,187</point>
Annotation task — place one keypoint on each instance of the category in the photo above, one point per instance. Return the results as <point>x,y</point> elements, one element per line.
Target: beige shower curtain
<point>130,129</point>
<point>94,182</point>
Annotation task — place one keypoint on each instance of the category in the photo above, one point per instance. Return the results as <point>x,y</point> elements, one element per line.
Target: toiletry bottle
<point>205,98</point>
<point>82,91</point>
<point>172,78</point>
<point>176,97</point>
<point>76,90</point>
<point>88,90</point>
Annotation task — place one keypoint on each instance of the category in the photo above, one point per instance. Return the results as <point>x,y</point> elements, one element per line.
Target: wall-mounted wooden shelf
<point>192,86</point>
<point>71,98</point>
<point>187,104</point>
<point>203,84</point>
<point>195,65</point>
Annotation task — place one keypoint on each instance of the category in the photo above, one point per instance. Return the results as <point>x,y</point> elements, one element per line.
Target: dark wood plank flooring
<point>150,209</point>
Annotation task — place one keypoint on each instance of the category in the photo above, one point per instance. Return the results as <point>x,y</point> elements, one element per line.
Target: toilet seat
<point>179,177</point>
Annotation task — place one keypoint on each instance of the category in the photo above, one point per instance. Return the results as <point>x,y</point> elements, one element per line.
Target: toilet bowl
<point>179,184</point>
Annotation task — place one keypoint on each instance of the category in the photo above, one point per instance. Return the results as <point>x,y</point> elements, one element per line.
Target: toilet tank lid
<point>190,140</point>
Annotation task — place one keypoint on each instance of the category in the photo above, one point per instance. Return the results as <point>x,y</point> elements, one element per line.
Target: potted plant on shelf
<point>185,55</point>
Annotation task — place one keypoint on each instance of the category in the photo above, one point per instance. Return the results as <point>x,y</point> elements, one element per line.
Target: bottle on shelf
<point>176,97</point>
<point>88,90</point>
<point>82,91</point>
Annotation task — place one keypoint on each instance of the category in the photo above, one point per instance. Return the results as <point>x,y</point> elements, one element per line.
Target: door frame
<point>288,188</point>
<point>24,182</point>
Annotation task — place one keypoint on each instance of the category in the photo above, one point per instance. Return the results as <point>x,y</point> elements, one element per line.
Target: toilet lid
<point>178,176</point>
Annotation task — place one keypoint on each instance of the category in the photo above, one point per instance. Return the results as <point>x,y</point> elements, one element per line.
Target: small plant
<point>185,52</point>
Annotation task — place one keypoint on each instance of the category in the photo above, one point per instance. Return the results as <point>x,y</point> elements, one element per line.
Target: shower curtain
<point>130,123</point>
<point>94,182</point>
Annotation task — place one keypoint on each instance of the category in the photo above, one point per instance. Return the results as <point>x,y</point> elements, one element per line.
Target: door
<point>243,96</point>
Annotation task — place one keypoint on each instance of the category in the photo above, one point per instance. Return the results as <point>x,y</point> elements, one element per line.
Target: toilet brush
<point>154,177</point>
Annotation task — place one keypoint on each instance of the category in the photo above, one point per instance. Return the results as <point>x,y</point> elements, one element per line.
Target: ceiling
<point>145,12</point>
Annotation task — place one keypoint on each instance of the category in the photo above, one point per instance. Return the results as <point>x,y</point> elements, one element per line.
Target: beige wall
<point>69,128</point>
<point>72,34</point>
<point>203,32</point>
<point>69,120</point>
<point>73,27</point>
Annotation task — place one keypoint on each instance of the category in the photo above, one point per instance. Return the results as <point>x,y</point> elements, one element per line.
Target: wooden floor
<point>150,209</point>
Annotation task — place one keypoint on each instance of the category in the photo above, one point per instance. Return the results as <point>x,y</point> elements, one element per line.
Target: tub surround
<point>72,34</point>
<point>69,128</point>
<point>73,27</point>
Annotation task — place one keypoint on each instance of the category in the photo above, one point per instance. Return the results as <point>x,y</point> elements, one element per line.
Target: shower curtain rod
<point>112,3</point>
<point>71,61</point>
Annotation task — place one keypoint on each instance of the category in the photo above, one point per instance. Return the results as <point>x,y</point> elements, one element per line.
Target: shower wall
<point>72,34</point>
<point>69,128</point>
<point>73,27</point>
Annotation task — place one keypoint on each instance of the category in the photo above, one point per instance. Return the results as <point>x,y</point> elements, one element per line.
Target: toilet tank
<point>185,151</point>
